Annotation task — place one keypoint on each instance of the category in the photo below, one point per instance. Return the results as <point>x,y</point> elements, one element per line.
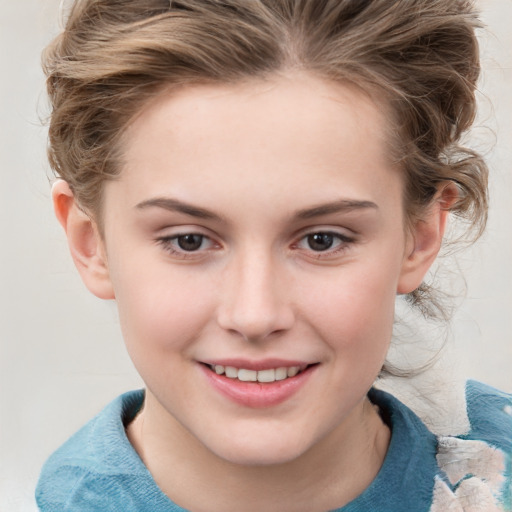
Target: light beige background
<point>61,353</point>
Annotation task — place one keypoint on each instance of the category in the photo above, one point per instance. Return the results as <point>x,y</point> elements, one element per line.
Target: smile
<point>263,384</point>
<point>263,376</point>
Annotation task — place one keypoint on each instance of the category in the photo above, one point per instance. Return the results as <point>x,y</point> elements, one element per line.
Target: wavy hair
<point>419,58</point>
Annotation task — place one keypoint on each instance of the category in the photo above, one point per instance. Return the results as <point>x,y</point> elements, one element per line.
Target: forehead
<point>298,97</point>
<point>292,128</point>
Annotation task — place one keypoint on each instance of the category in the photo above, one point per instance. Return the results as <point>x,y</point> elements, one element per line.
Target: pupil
<point>190,242</point>
<point>320,241</point>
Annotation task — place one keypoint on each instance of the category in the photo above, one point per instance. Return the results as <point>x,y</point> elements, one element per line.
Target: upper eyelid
<point>170,232</point>
<point>182,228</point>
<point>342,232</point>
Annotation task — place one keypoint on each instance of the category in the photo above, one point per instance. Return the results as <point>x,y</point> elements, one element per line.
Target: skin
<point>259,158</point>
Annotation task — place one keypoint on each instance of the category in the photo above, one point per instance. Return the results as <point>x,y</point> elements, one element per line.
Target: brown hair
<point>419,57</point>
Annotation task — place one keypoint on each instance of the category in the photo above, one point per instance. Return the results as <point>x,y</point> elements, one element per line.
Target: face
<point>256,233</point>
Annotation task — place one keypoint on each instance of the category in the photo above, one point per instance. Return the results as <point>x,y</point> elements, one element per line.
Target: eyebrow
<point>340,206</point>
<point>175,205</point>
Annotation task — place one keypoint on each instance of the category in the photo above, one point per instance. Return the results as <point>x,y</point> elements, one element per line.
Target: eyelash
<point>343,243</point>
<point>168,243</point>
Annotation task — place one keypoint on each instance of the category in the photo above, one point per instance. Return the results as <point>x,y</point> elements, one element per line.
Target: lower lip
<point>255,394</point>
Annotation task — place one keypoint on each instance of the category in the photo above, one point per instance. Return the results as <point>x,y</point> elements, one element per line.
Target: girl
<point>254,182</point>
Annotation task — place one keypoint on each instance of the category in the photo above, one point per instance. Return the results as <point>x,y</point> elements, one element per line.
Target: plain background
<point>61,353</point>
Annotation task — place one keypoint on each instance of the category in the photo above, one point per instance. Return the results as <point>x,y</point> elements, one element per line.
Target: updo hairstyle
<point>417,58</point>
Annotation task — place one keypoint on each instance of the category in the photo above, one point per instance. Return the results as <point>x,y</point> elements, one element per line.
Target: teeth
<point>281,373</point>
<point>247,375</point>
<point>270,375</point>
<point>231,372</point>
<point>266,376</point>
<point>292,371</point>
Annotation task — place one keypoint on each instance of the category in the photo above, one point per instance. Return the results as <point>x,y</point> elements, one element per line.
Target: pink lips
<point>255,394</point>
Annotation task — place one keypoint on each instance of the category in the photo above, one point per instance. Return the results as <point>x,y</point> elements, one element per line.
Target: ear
<point>425,240</point>
<point>84,240</point>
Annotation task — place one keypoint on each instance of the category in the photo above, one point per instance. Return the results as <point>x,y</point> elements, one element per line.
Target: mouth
<point>267,375</point>
<point>261,385</point>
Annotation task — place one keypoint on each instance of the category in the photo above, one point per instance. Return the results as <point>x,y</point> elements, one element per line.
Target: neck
<point>329,475</point>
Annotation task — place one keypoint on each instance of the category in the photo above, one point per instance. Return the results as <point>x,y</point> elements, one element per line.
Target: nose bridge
<point>254,304</point>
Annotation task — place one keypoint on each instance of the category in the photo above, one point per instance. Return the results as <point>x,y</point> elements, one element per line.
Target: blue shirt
<point>98,470</point>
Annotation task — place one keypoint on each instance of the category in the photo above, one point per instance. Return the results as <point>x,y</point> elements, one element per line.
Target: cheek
<point>354,311</point>
<point>160,312</point>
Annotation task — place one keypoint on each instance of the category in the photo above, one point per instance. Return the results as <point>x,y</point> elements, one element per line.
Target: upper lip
<point>264,364</point>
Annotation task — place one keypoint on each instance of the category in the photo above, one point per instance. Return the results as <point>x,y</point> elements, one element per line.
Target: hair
<point>418,58</point>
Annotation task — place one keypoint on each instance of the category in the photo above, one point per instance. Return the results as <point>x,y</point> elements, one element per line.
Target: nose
<point>254,300</point>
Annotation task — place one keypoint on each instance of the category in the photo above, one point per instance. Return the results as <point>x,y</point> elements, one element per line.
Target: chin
<point>249,457</point>
<point>259,450</point>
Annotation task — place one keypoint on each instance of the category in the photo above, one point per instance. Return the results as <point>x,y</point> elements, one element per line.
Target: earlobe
<point>84,240</point>
<point>425,240</point>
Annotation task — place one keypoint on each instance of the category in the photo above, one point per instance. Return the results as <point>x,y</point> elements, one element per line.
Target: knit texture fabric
<point>98,470</point>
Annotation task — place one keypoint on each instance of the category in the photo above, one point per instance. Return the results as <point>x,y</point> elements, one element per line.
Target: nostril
<point>255,324</point>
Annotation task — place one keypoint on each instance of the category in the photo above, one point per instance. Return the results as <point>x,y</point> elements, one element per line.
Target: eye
<point>320,241</point>
<point>324,241</point>
<point>190,242</point>
<point>186,244</point>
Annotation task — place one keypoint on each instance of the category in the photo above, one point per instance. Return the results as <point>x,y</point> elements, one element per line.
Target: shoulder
<point>97,468</point>
<point>490,415</point>
<point>476,468</point>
